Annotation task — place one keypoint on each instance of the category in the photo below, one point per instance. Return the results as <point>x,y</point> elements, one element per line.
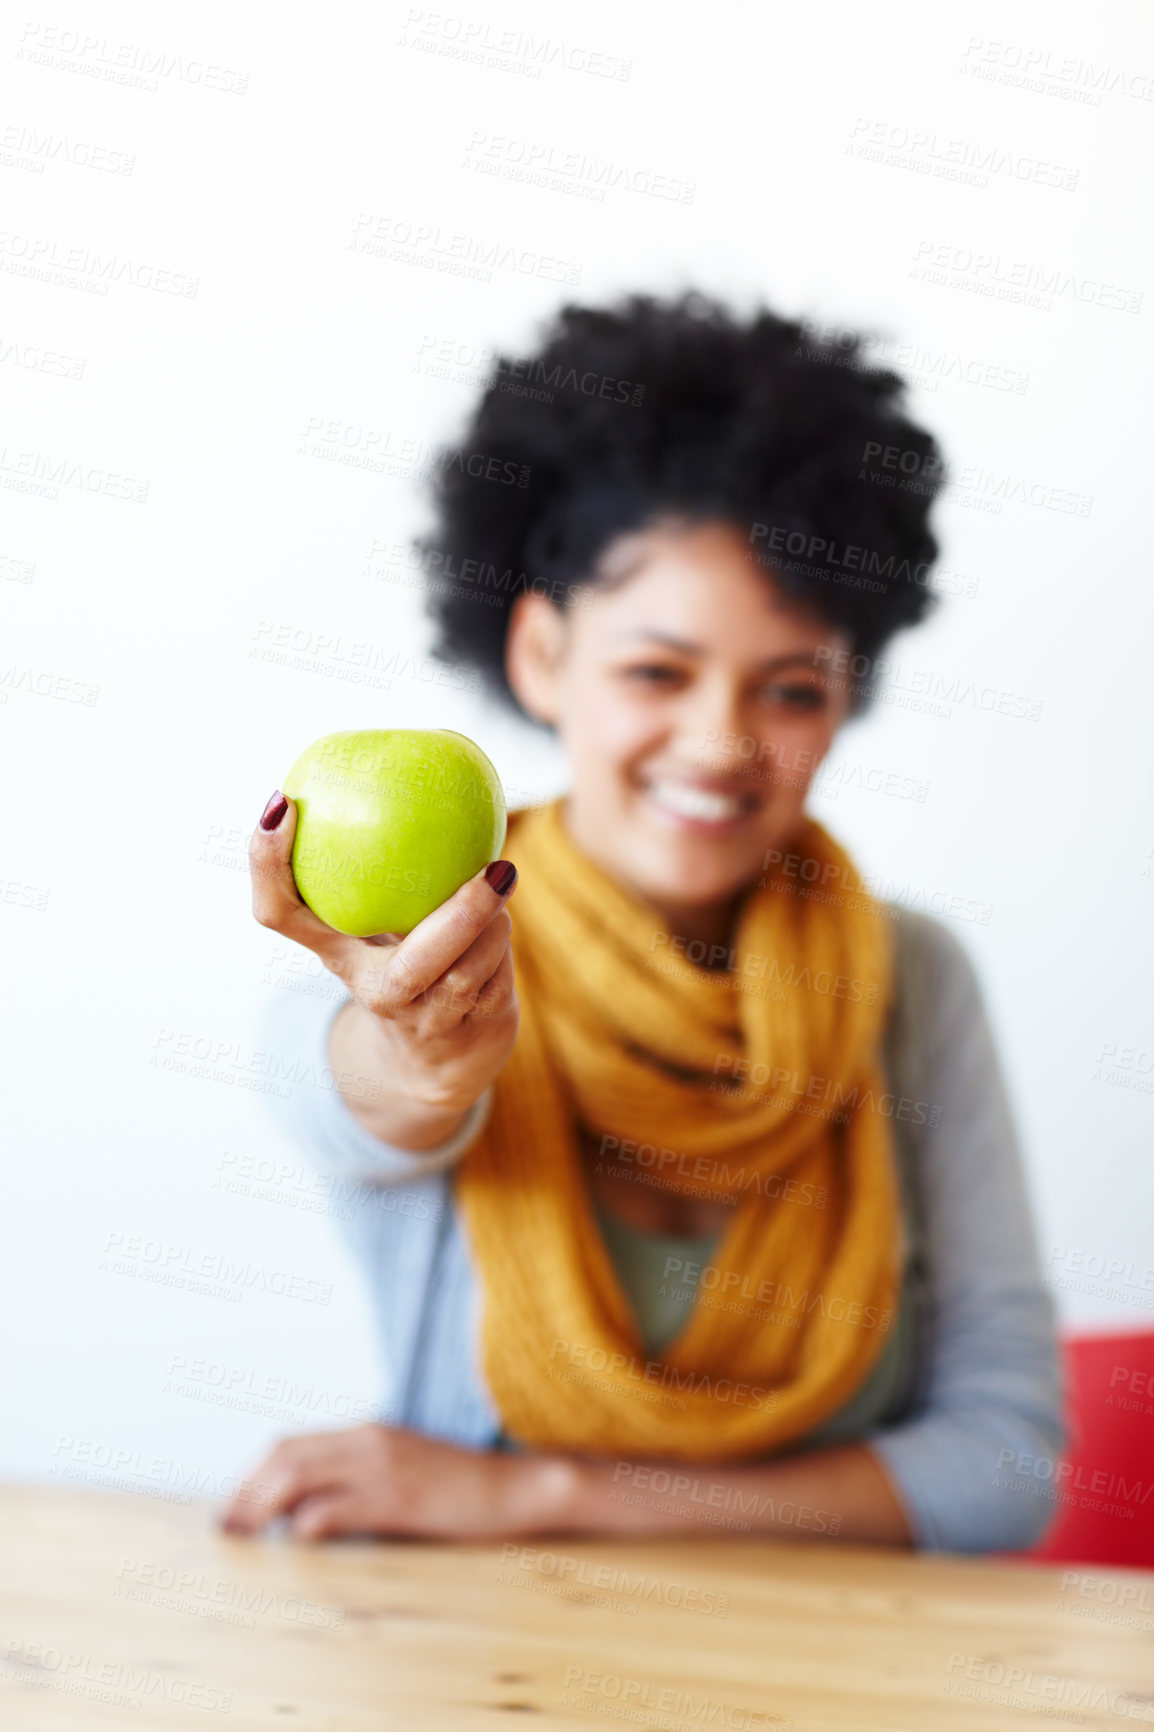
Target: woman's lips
<point>694,806</point>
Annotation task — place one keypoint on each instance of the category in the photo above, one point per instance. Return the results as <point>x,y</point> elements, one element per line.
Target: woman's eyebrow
<point>806,657</point>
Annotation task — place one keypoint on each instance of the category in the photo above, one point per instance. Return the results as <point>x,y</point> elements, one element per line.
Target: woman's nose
<point>717,735</point>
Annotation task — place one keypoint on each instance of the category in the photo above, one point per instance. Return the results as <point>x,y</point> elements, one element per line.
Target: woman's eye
<point>651,671</point>
<point>801,697</point>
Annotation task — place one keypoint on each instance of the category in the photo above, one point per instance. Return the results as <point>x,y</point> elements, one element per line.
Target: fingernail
<point>502,875</point>
<point>274,811</point>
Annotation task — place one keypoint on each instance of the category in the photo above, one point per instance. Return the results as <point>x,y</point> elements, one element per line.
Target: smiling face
<point>694,707</point>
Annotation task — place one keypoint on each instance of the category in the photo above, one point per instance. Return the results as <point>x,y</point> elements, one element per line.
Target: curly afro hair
<point>655,408</point>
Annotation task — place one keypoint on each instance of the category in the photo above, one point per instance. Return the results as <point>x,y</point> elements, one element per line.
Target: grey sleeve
<point>963,1463</point>
<point>389,1206</point>
<point>308,1104</point>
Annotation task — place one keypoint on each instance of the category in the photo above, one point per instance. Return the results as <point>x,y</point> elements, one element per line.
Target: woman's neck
<point>713,926</point>
<point>710,924</point>
<point>622,1191</point>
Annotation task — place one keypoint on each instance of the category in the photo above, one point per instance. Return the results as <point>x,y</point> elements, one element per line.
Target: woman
<point>686,1185</point>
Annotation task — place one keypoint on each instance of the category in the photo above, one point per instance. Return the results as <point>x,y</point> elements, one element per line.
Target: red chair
<point>1104,1487</point>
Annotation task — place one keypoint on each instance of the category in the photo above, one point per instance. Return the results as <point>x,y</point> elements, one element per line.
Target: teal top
<point>661,1306</point>
<point>640,1258</point>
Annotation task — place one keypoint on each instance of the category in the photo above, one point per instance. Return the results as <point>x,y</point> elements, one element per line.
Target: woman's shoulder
<point>938,1018</point>
<point>930,959</point>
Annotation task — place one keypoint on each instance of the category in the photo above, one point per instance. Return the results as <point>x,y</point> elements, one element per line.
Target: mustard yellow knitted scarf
<point>620,1031</point>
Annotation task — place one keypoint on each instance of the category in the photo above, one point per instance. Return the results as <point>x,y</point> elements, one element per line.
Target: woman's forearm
<point>841,1492</point>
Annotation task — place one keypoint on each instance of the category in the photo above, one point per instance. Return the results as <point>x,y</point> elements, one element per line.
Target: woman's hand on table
<point>385,1480</point>
<point>376,1479</point>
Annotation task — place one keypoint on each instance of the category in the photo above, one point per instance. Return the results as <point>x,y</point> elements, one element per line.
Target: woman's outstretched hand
<point>438,1005</point>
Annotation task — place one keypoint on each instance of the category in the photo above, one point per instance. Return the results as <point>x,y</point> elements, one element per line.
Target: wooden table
<point>107,1597</point>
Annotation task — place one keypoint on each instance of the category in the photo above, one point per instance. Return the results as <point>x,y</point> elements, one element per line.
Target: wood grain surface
<point>135,1612</point>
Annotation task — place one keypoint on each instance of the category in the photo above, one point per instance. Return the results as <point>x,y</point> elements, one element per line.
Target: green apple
<point>390,822</point>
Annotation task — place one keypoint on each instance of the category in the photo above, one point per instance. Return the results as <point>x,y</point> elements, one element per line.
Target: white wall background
<point>144,731</point>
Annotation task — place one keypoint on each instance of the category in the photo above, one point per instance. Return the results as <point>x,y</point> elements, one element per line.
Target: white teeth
<point>690,802</point>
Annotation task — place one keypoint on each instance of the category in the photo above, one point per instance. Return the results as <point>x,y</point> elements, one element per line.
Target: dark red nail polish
<point>502,875</point>
<point>274,811</point>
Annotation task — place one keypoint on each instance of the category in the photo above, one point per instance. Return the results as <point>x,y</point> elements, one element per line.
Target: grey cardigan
<point>979,1393</point>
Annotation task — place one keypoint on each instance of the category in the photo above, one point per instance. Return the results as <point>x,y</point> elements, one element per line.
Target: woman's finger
<point>276,901</point>
<point>250,1509</point>
<point>497,992</point>
<point>323,1515</point>
<point>295,1466</point>
<point>281,1494</point>
<point>400,973</point>
<point>455,993</point>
